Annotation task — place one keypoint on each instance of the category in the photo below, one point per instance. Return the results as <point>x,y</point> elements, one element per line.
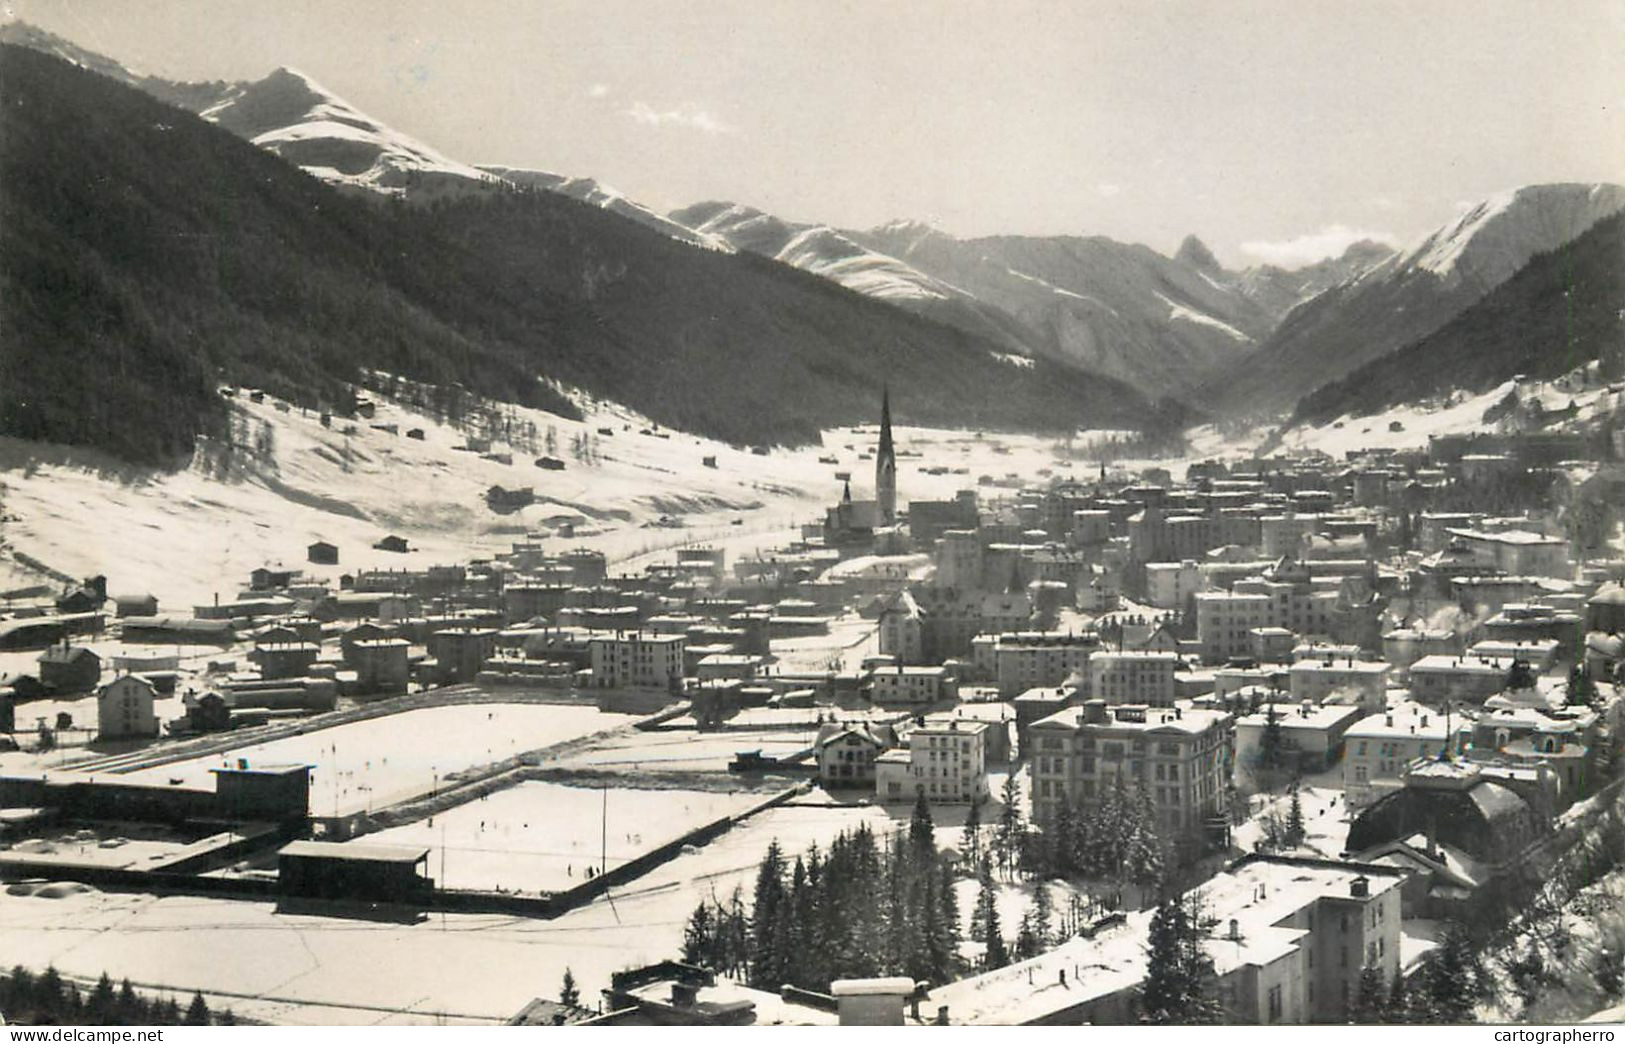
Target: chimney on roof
<point>942,1015</point>
<point>1360,887</point>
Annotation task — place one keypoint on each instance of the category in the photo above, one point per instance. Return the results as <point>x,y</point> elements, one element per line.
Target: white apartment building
<point>1134,677</point>
<point>945,759</point>
<point>1376,749</point>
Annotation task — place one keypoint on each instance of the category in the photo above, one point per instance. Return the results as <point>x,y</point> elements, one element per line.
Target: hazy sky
<point>1274,130</point>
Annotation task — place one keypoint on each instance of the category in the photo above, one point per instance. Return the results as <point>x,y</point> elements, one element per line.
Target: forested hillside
<point>1560,311</point>
<point>146,256</point>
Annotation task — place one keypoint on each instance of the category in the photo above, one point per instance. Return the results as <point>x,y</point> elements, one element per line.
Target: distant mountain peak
<point>1195,253</point>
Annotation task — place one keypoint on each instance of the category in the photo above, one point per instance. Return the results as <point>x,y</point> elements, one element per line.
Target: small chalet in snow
<point>65,669</point>
<point>322,553</point>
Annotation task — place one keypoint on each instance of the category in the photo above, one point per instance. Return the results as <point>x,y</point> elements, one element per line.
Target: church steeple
<point>886,465</point>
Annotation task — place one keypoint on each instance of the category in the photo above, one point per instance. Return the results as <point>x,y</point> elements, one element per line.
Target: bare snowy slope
<point>839,257</point>
<point>1160,323</point>
<point>293,116</point>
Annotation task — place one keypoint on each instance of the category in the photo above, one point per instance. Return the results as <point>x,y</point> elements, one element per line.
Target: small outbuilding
<point>69,669</point>
<point>354,870</point>
<point>322,553</point>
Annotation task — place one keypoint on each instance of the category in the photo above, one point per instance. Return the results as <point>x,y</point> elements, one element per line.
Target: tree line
<point>866,906</point>
<point>47,999</point>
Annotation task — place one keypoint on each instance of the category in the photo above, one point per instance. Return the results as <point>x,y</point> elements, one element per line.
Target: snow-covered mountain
<point>1279,290</point>
<point>1162,324</point>
<point>1412,293</point>
<point>839,257</point>
<point>292,115</point>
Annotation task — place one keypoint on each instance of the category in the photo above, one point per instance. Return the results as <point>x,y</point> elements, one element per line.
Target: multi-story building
<point>1364,682</point>
<point>1290,939</point>
<point>1564,739</point>
<point>847,753</point>
<point>1225,621</point>
<point>1028,660</point>
<point>1134,677</point>
<point>1169,584</point>
<point>932,624</point>
<point>1311,736</point>
<point>1377,748</point>
<point>910,685</point>
<point>1516,552</point>
<point>637,660</point>
<point>1405,645</point>
<point>1435,679</point>
<point>945,759</point>
<point>124,709</point>
<point>1181,757</point>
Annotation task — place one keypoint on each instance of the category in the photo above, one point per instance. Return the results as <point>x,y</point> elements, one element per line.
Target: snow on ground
<point>1417,422</point>
<point>1179,311</point>
<point>850,639</point>
<point>541,836</point>
<point>308,970</point>
<point>380,761</point>
<point>1325,818</point>
<point>187,536</point>
<point>669,750</point>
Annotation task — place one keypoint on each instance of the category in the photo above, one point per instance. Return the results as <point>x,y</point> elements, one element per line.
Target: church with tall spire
<point>886,465</point>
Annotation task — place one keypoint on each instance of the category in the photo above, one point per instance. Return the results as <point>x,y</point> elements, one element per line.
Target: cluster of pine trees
<point>49,1000</point>
<point>867,906</point>
<point>1444,991</point>
<point>1118,840</point>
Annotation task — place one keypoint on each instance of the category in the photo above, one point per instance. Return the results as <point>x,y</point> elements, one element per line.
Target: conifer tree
<point>997,955</point>
<point>569,994</point>
<point>1027,942</point>
<point>197,1012</point>
<point>1043,913</point>
<point>1062,841</point>
<point>921,832</point>
<point>970,839</point>
<point>1010,831</point>
<point>1179,973</point>
<point>102,1007</point>
<point>1370,1001</point>
<point>1296,830</point>
<point>985,905</point>
<point>1452,982</point>
<point>699,935</point>
<point>132,1011</point>
<point>767,963</point>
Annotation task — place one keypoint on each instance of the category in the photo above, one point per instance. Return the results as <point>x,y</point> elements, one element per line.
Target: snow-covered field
<point>189,535</point>
<point>380,761</point>
<point>305,970</point>
<point>542,836</point>
<point>683,750</point>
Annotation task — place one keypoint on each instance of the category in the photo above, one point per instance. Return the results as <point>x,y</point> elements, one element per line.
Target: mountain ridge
<point>1412,293</point>
<point>129,302</point>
